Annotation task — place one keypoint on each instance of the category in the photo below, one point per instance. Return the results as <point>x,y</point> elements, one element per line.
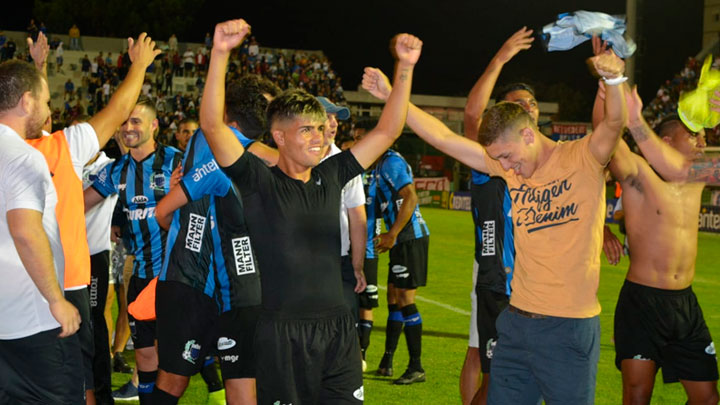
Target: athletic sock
<point>146,384</point>
<point>364,329</point>
<point>393,330</point>
<point>210,375</point>
<point>413,335</point>
<point>160,397</point>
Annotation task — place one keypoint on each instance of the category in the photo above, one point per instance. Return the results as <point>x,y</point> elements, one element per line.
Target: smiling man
<point>306,345</point>
<point>141,178</point>
<point>557,192</point>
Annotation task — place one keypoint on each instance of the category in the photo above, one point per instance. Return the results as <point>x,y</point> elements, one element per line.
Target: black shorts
<point>667,327</point>
<point>408,263</point>
<point>143,332</point>
<point>186,327</point>
<point>489,306</point>
<point>235,344</point>
<point>369,297</point>
<point>41,369</point>
<point>81,299</point>
<point>308,358</point>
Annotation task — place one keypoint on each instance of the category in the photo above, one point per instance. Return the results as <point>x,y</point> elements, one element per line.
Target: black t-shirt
<point>295,230</point>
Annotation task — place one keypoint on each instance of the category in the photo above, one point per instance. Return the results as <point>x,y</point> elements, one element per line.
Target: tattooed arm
<point>705,170</point>
<point>392,120</point>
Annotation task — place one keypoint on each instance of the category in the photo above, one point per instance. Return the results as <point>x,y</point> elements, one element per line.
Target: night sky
<point>460,37</point>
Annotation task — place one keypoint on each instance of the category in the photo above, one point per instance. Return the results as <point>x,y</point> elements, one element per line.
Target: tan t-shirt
<point>558,215</point>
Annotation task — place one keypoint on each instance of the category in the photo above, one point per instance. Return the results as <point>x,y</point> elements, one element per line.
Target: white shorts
<point>473,340</point>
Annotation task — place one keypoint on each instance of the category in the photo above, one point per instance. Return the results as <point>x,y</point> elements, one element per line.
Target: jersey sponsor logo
<point>192,351</point>
<point>196,228</point>
<point>244,263</point>
<point>230,358</point>
<point>101,177</point>
<point>140,213</point>
<point>359,394</point>
<point>140,199</point>
<point>488,238</point>
<point>204,170</point>
<point>157,181</point>
<point>93,292</point>
<point>490,347</point>
<point>378,226</point>
<point>225,343</point>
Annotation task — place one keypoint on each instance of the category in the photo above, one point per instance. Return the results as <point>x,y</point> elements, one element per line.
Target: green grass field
<point>445,307</point>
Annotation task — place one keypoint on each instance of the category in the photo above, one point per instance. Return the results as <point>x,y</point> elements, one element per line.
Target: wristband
<point>615,80</point>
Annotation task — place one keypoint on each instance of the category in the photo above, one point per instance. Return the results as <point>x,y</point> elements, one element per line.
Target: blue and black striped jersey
<point>392,174</point>
<point>140,186</point>
<point>374,216</point>
<point>208,245</point>
<point>494,238</point>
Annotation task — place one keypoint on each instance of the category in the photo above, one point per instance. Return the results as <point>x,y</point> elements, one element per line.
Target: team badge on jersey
<point>157,181</point>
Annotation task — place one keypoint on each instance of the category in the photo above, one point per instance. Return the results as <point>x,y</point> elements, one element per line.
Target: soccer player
<point>39,352</point>
<point>211,278</point>
<point>184,131</point>
<point>141,178</point>
<point>407,238</point>
<point>658,321</point>
<point>557,192</point>
<point>292,213</point>
<point>67,151</point>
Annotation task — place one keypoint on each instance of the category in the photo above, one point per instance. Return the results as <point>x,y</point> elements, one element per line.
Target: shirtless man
<point>658,322</point>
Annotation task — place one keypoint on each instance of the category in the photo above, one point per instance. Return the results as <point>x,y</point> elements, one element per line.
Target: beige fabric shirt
<point>558,215</point>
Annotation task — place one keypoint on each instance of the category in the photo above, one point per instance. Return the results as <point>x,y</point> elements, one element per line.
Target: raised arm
<point>604,138</point>
<point>429,128</point>
<point>223,143</point>
<point>665,159</point>
<point>406,51</point>
<point>142,53</point>
<point>33,247</point>
<point>39,51</point>
<point>480,94</point>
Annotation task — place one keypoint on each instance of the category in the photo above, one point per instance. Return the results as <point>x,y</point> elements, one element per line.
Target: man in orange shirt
<point>66,152</point>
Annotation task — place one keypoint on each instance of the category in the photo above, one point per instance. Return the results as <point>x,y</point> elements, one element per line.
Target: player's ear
<point>528,135</point>
<point>278,136</point>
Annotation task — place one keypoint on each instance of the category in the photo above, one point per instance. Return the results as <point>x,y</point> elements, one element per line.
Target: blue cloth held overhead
<point>572,29</point>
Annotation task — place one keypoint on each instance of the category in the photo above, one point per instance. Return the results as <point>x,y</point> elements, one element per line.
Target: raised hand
<point>230,34</point>
<point>715,100</point>
<point>143,50</point>
<point>608,65</point>
<point>599,46</point>
<point>39,49</point>
<point>634,105</point>
<point>519,41</point>
<point>406,48</point>
<point>376,83</point>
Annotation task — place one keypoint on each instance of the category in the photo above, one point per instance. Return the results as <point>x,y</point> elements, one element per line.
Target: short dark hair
<point>16,78</point>
<point>189,120</point>
<point>499,118</point>
<point>148,104</point>
<point>246,105</point>
<point>293,103</point>
<point>666,124</point>
<point>509,88</point>
<point>268,87</point>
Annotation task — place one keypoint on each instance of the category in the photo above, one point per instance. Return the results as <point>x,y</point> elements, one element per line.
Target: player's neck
<point>293,169</point>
